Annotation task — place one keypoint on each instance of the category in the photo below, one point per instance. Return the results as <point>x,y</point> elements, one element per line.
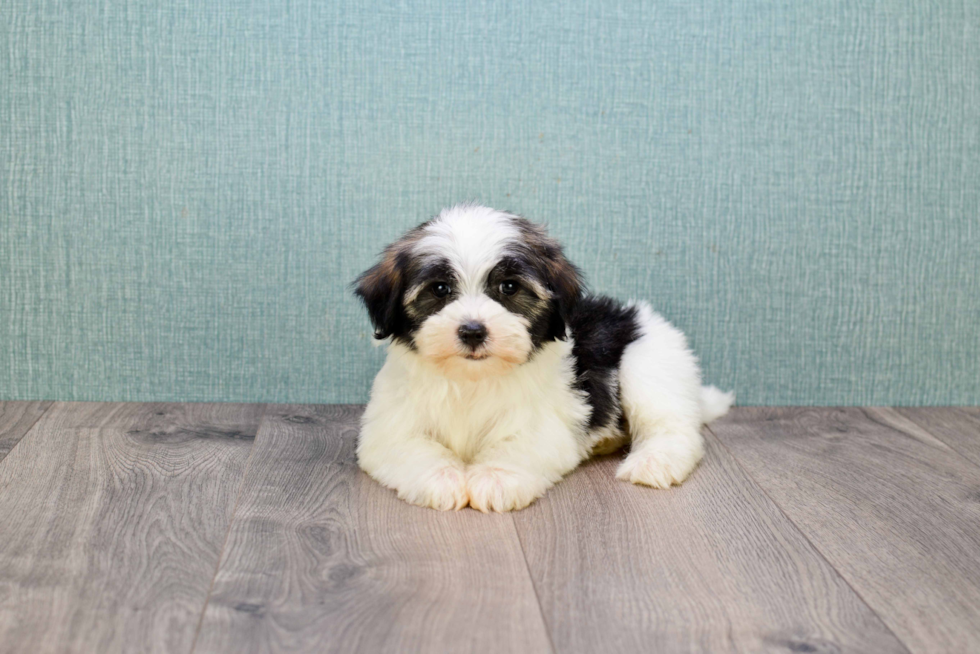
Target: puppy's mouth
<point>476,356</point>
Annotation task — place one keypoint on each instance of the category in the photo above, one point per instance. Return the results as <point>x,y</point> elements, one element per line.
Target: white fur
<point>715,403</point>
<point>445,431</point>
<point>472,238</point>
<point>660,387</point>
<point>513,435</point>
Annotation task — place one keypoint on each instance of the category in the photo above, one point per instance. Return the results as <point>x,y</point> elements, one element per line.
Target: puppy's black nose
<point>472,334</point>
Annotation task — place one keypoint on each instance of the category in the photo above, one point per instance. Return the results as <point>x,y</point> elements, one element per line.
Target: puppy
<point>502,376</point>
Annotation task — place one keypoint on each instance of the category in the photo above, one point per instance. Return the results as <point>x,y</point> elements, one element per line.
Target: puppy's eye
<point>509,287</point>
<point>441,289</point>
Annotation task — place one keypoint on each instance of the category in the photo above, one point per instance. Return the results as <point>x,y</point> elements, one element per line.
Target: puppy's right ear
<point>381,289</point>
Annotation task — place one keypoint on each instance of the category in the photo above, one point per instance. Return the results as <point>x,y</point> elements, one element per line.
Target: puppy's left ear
<point>381,288</point>
<point>560,275</point>
<point>565,283</point>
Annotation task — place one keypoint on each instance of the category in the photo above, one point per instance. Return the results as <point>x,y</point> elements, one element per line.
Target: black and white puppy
<point>502,376</point>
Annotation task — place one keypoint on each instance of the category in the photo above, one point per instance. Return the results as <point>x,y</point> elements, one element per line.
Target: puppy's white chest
<point>476,417</point>
<point>532,403</point>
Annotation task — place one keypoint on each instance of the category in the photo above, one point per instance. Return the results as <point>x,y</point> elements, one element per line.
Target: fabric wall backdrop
<point>186,191</point>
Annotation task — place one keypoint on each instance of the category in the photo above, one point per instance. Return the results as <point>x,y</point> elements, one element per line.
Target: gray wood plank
<point>321,558</point>
<point>897,512</point>
<point>16,419</point>
<point>958,427</point>
<point>710,566</point>
<point>113,520</point>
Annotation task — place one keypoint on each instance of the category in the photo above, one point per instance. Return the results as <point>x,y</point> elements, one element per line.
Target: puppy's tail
<point>714,403</point>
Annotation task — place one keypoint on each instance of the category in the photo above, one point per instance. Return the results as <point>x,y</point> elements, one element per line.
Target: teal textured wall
<point>187,188</point>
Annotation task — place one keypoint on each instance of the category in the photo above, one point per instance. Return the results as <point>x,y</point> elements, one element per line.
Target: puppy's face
<point>475,291</point>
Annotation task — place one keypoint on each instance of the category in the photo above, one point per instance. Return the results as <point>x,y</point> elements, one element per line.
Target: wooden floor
<point>249,528</point>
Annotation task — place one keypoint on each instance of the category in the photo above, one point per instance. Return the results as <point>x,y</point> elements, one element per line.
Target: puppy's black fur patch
<point>426,302</point>
<point>542,313</point>
<point>545,256</point>
<point>602,328</point>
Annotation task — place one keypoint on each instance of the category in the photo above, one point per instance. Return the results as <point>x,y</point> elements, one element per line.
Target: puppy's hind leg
<point>660,393</point>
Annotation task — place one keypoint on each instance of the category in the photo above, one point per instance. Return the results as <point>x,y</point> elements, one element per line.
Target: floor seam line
<point>224,543</point>
<point>534,588</point>
<point>802,533</point>
<point>939,438</point>
<point>28,431</point>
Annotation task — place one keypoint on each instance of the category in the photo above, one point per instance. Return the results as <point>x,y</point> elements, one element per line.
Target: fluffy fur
<point>502,376</point>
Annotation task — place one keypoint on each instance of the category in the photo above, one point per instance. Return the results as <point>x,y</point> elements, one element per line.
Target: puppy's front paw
<point>443,489</point>
<point>493,488</point>
<point>662,462</point>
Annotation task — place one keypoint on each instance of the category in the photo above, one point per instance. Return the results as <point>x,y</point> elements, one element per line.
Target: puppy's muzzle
<point>472,334</point>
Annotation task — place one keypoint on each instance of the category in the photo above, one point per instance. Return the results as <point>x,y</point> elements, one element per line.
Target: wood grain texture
<point>896,511</point>
<point>323,559</point>
<point>16,418</point>
<point>113,520</point>
<point>711,566</point>
<point>958,427</point>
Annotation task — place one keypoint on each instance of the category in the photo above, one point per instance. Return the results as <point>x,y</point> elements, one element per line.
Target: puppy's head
<point>475,291</point>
